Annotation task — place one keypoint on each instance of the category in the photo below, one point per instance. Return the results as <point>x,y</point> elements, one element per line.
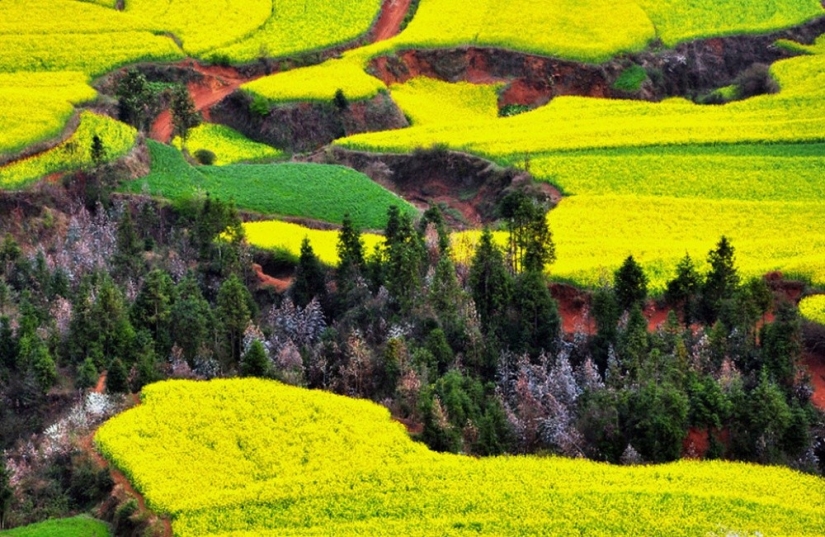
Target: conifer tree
<point>490,283</point>
<point>309,277</point>
<point>255,361</point>
<point>630,284</point>
<point>722,280</point>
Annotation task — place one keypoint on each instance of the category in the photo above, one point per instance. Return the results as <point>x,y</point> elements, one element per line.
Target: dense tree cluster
<point>472,357</point>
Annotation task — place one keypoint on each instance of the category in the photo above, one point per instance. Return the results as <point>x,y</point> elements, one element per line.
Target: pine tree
<point>536,323</point>
<point>134,98</point>
<point>233,315</point>
<point>191,319</point>
<point>722,280</point>
<point>350,254</point>
<point>490,283</point>
<point>630,284</point>
<point>152,309</point>
<point>117,378</point>
<point>310,281</point>
<point>97,151</point>
<point>86,375</point>
<point>128,258</point>
<point>6,493</point>
<point>782,346</point>
<point>683,290</point>
<point>184,114</point>
<point>406,262</point>
<point>255,362</point>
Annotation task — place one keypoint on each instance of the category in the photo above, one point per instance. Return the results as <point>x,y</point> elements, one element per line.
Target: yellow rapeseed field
<point>428,101</point>
<point>36,106</point>
<point>274,234</point>
<point>118,139</point>
<point>255,457</point>
<point>813,308</point>
<point>229,145</point>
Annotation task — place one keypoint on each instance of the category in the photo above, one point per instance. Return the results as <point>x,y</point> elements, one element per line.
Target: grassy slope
<point>261,458</point>
<point>313,191</point>
<point>79,526</point>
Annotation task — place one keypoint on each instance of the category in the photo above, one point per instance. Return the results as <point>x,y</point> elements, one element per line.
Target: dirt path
<point>389,22</point>
<point>217,83</point>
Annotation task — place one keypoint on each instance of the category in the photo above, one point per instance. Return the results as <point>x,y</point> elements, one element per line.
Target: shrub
<point>631,79</point>
<point>205,157</point>
<point>260,106</point>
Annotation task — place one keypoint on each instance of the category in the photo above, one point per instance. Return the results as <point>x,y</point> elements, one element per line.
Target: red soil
<point>265,280</point>
<point>389,22</point>
<point>217,83</point>
<point>816,367</point>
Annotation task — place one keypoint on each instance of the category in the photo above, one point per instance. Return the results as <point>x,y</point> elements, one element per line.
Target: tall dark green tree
<point>722,280</point>
<point>310,281</point>
<point>530,242</point>
<point>135,98</point>
<point>128,258</point>
<point>184,114</point>
<point>351,256</point>
<point>255,361</point>
<point>406,263</point>
<point>233,315</point>
<point>782,346</point>
<point>152,309</point>
<point>6,493</point>
<point>191,319</point>
<point>630,284</point>
<point>490,283</point>
<point>605,311</point>
<point>682,291</point>
<point>535,320</point>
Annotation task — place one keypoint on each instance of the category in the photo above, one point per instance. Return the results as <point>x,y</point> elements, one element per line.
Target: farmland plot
<point>255,457</point>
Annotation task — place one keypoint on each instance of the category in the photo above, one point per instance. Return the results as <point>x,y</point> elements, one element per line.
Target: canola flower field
<point>657,180</point>
<point>287,237</point>
<point>429,101</point>
<point>315,191</point>
<point>37,106</point>
<point>255,457</point>
<point>73,154</point>
<point>228,145</point>
<point>813,308</point>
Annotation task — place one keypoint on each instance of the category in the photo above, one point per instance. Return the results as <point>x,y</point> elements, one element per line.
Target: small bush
<point>340,100</point>
<point>205,157</point>
<point>756,80</point>
<point>260,106</point>
<point>631,79</point>
<point>513,110</point>
<point>220,59</point>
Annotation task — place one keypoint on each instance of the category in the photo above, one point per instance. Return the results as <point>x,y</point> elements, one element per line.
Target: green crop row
<point>82,525</point>
<point>255,457</point>
<point>316,191</point>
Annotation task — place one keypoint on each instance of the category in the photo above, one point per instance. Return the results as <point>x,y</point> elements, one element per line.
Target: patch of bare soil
<point>216,83</point>
<point>389,22</point>
<point>279,285</point>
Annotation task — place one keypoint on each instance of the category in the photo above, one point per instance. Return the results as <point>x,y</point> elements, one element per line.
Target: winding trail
<point>217,83</point>
<point>391,18</point>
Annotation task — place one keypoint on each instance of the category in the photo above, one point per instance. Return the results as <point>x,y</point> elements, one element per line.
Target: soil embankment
<point>307,126</point>
<point>466,187</point>
<point>689,70</point>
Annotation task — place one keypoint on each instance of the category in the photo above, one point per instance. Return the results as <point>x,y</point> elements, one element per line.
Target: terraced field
<point>36,106</point>
<point>229,146</point>
<point>73,154</point>
<point>277,235</point>
<point>312,191</point>
<point>254,457</point>
<point>66,527</point>
<point>656,180</point>
<point>813,308</point>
